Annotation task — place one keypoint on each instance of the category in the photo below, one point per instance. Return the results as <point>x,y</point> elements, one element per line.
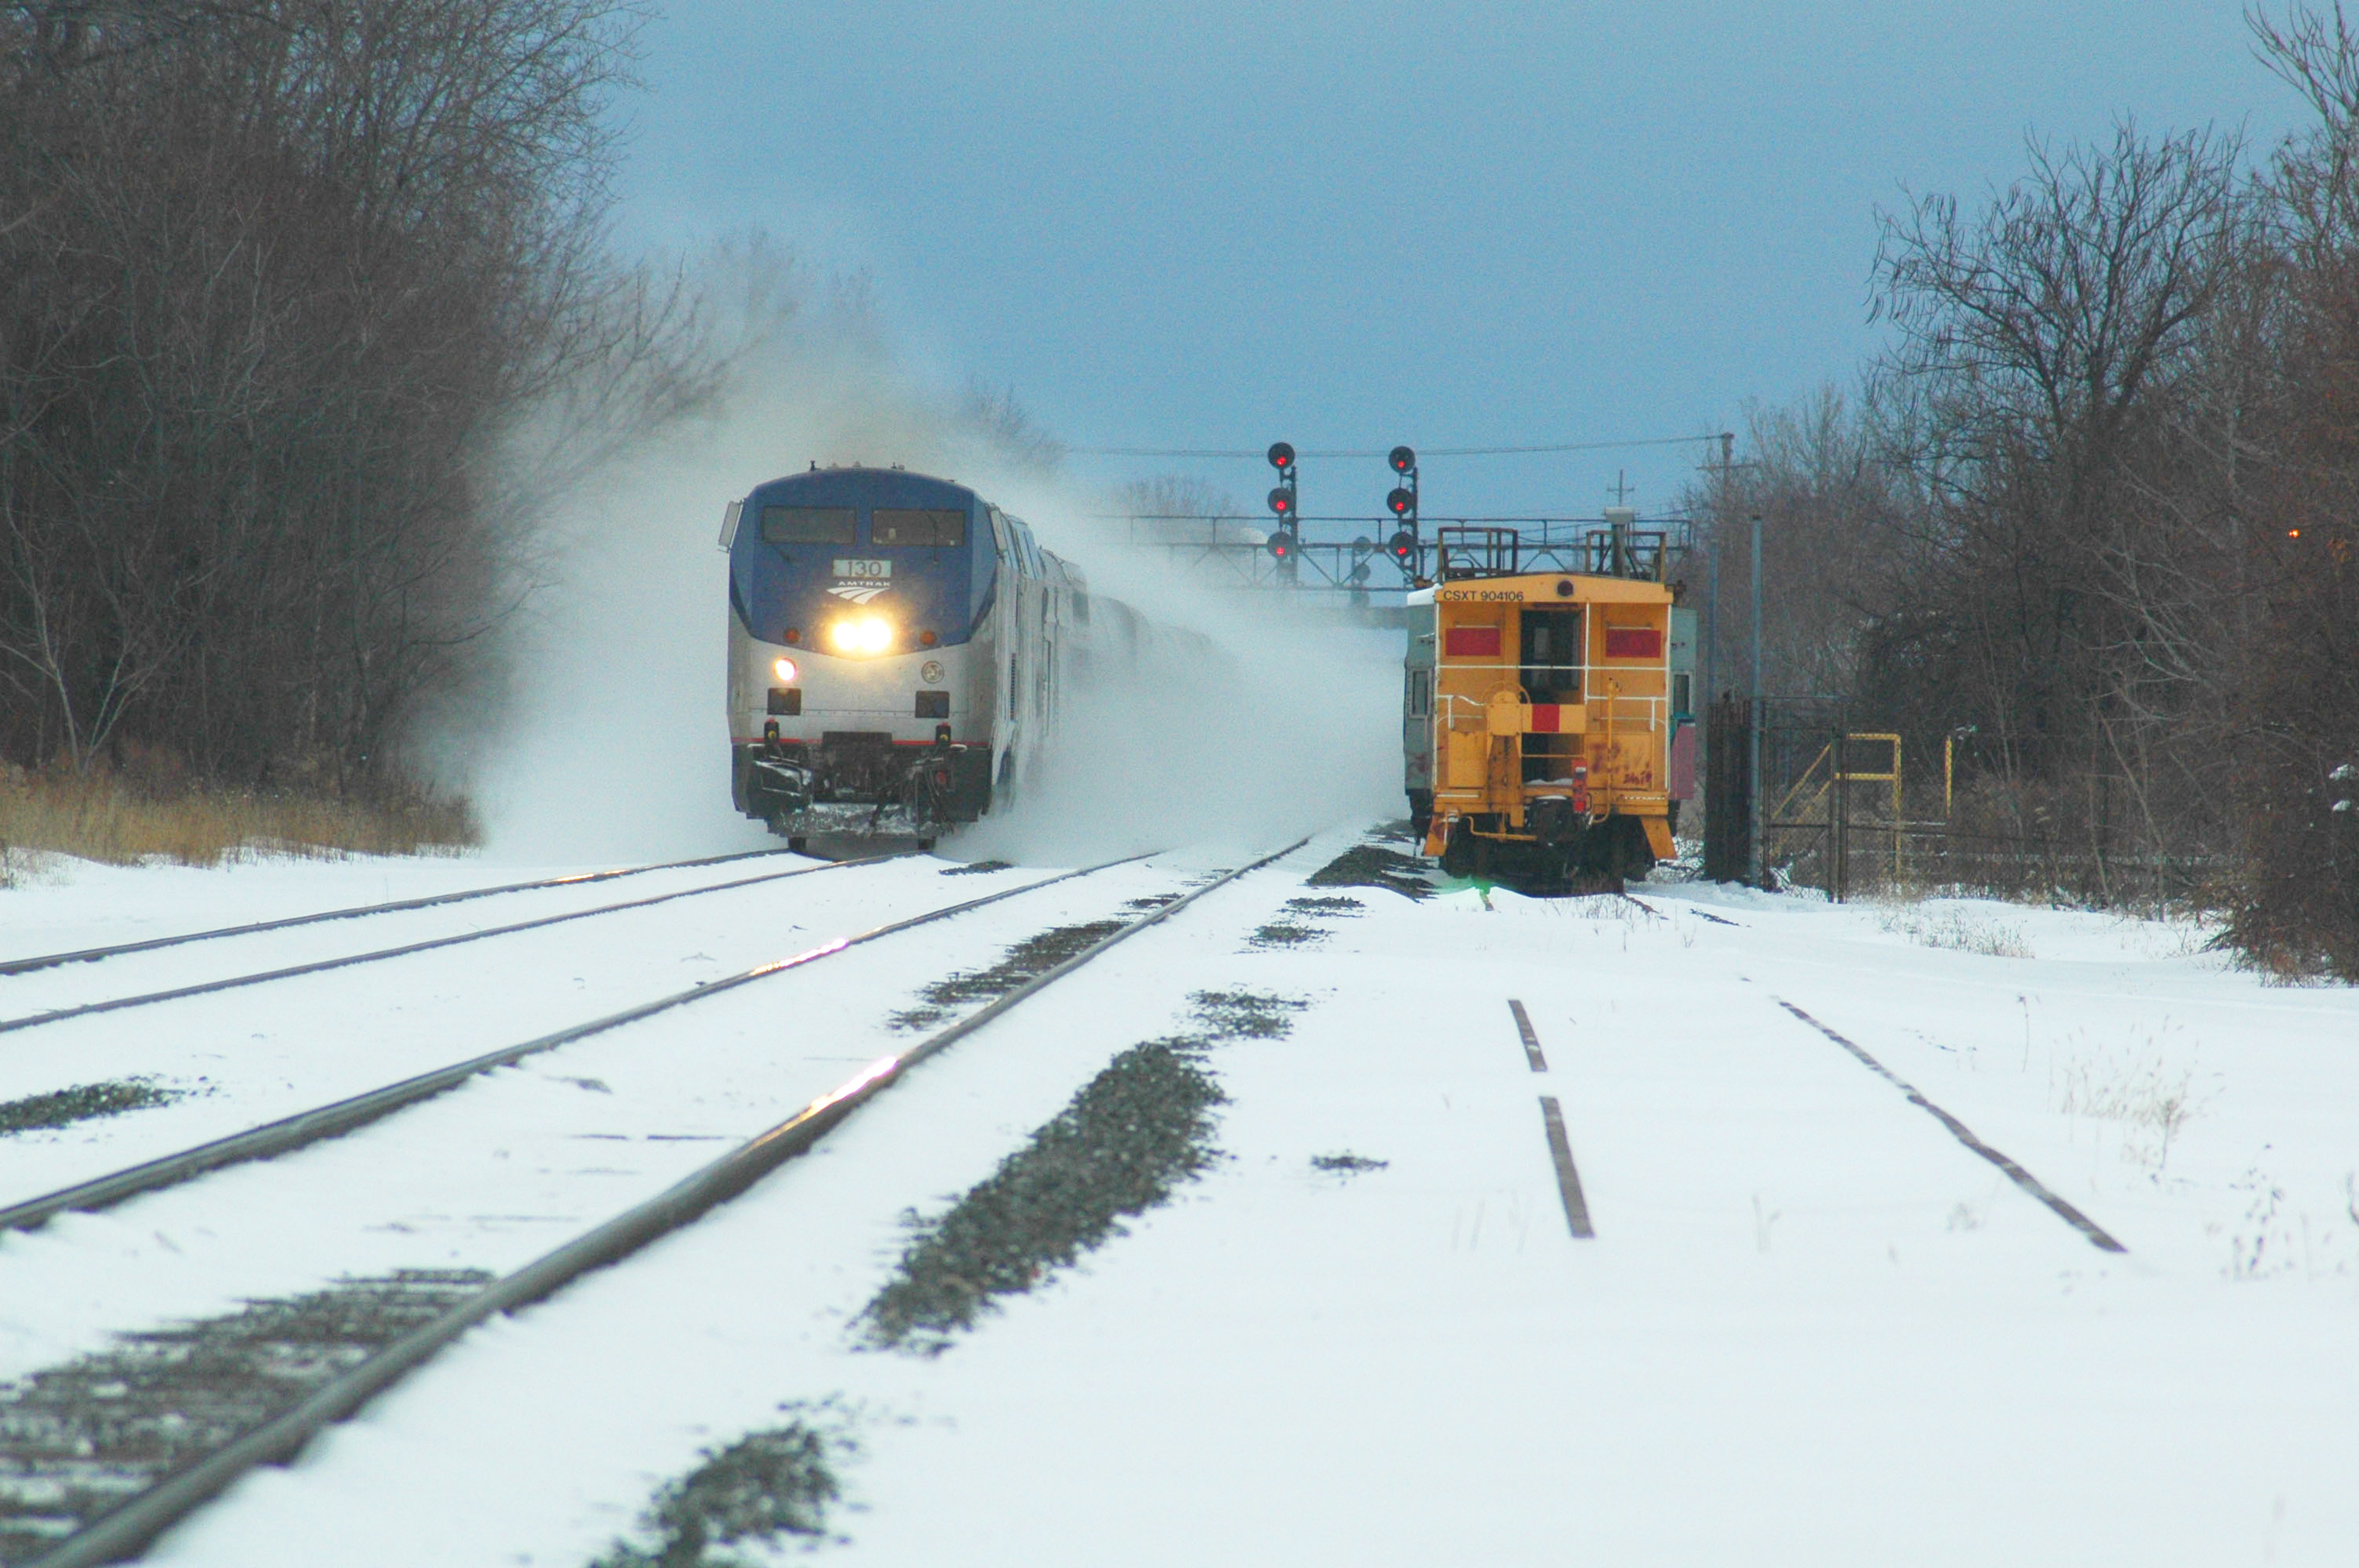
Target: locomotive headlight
<point>785,672</point>
<point>863,634</point>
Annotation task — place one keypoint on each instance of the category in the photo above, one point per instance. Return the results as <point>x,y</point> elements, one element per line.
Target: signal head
<point>1402,503</point>
<point>1281,501</point>
<point>1281,455</point>
<point>1402,458</point>
<point>1402,547</point>
<point>1281,543</point>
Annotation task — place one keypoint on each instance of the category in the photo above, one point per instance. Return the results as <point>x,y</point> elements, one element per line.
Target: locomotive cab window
<point>1027,554</point>
<point>1420,693</point>
<point>931,527</point>
<point>810,525</point>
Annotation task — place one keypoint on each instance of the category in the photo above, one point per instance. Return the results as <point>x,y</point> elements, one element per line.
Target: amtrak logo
<point>858,593</point>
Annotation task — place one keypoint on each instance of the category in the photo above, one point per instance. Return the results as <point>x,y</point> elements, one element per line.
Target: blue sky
<point>1351,224</point>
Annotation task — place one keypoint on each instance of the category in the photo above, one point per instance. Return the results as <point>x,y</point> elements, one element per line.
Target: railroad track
<point>347,960</point>
<point>2030,1185</point>
<point>446,1305</point>
<point>578,879</point>
<point>193,1056</point>
<point>288,1134</point>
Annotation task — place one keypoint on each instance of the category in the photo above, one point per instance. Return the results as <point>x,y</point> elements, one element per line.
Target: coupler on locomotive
<point>862,784</point>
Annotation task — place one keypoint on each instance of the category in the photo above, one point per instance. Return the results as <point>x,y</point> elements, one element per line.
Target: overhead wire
<point>1385,451</point>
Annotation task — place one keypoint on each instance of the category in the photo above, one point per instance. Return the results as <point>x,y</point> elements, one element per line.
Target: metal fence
<point>1845,811</point>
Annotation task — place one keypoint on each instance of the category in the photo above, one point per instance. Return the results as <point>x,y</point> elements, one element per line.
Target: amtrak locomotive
<point>898,650</point>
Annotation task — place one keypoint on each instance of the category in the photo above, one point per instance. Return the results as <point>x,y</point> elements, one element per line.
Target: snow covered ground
<point>1812,1328</point>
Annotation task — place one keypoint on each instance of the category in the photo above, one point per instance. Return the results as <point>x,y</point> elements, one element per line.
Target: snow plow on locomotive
<point>1546,733</point>
<point>898,650</point>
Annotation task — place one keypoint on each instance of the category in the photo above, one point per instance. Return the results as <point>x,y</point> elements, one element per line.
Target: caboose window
<point>810,525</point>
<point>1471,642</point>
<point>937,527</point>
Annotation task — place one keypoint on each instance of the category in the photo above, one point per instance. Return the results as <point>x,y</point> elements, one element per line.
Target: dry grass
<point>2147,1085</point>
<point>97,816</point>
<point>1961,930</point>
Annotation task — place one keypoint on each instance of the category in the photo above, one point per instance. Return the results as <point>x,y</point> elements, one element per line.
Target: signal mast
<point>1284,545</point>
<point>1402,503</point>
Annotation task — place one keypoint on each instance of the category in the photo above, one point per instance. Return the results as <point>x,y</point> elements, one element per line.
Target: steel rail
<point>292,1132</point>
<point>125,1530</point>
<point>319,965</point>
<point>91,955</point>
<point>2094,1234</point>
<point>1692,909</point>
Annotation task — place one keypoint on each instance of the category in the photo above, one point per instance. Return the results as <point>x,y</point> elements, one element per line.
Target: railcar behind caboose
<point>1546,727</point>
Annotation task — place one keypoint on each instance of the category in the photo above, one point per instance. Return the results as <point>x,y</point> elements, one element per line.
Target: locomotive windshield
<point>810,525</point>
<point>939,528</point>
<point>895,546</point>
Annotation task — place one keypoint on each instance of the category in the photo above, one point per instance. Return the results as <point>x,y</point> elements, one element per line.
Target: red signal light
<point>1402,546</point>
<point>1403,460</point>
<point>1401,502</point>
<point>1281,501</point>
<point>1281,545</point>
<point>1281,455</point>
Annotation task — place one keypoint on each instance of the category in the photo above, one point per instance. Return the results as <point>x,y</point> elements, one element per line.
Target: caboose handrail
<point>1592,700</point>
<point>1468,550</point>
<point>1583,671</point>
<point>1653,710</point>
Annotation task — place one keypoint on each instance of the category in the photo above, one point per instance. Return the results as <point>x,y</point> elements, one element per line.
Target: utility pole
<point>1712,568</point>
<point>1759,712</point>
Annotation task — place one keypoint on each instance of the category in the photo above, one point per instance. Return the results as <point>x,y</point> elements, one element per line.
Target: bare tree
<point>2295,742</point>
<point>256,396</point>
<point>1009,430</point>
<point>2052,349</point>
<point>1837,520</point>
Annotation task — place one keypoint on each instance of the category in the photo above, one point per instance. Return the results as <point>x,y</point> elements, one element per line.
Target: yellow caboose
<point>1545,729</point>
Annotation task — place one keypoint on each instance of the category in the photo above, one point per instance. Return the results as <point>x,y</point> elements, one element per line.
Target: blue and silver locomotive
<point>898,650</point>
